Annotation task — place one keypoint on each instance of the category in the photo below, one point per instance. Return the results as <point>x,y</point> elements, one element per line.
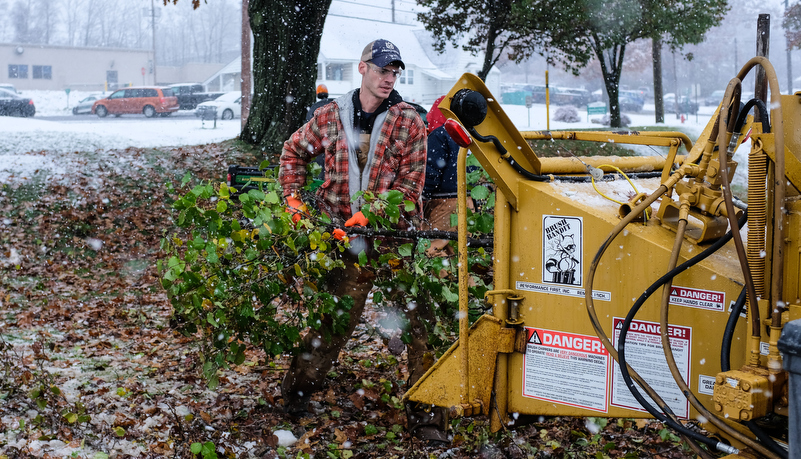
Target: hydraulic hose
<point>624,369</point>
<point>686,265</point>
<point>725,365</point>
<point>668,350</point>
<point>763,115</point>
<point>779,184</point>
<point>727,124</point>
<point>728,332</point>
<point>599,331</point>
<point>774,449</point>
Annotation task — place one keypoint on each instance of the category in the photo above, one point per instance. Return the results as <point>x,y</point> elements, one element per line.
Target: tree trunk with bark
<point>286,43</point>
<point>659,106</point>
<point>611,60</point>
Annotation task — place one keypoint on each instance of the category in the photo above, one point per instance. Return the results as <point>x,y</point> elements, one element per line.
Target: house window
<point>407,77</point>
<point>17,71</point>
<point>338,72</point>
<point>320,70</point>
<point>42,72</point>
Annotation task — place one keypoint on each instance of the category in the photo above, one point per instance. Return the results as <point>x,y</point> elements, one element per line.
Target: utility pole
<point>153,29</point>
<point>393,11</point>
<point>789,59</point>
<point>245,83</point>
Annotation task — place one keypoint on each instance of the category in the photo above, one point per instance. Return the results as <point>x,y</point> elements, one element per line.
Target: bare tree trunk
<point>659,106</point>
<point>286,43</point>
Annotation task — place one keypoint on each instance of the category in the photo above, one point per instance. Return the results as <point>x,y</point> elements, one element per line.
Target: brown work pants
<point>309,368</point>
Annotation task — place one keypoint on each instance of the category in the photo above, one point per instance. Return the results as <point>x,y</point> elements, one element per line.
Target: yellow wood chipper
<point>661,295</point>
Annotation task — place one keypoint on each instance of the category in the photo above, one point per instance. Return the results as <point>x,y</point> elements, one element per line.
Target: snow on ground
<point>31,146</point>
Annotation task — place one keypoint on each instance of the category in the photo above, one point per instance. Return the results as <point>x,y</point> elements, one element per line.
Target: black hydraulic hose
<point>763,115</point>
<point>621,351</point>
<point>725,365</point>
<point>728,332</point>
<point>544,178</point>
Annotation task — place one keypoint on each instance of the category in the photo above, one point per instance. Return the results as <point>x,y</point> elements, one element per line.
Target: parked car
<point>630,101</point>
<point>146,100</point>
<point>84,106</point>
<point>570,96</point>
<point>191,94</point>
<point>12,104</point>
<point>715,98</point>
<point>9,87</point>
<point>685,104</point>
<point>538,93</point>
<point>227,106</point>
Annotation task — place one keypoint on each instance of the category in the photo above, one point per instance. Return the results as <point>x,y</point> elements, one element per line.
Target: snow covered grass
<point>31,147</point>
<point>36,149</point>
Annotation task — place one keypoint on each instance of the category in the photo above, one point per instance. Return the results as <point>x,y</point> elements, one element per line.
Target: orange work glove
<point>339,234</point>
<point>358,219</point>
<point>295,206</point>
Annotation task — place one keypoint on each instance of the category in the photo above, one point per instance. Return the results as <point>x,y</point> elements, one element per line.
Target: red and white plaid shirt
<point>399,159</point>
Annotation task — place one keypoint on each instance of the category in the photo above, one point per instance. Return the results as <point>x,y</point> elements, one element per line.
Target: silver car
<point>84,107</point>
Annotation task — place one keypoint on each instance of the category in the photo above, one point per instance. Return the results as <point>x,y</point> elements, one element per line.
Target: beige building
<point>48,67</point>
<point>31,66</point>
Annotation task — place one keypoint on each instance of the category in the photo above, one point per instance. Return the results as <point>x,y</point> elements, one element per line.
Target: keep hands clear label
<point>566,368</point>
<point>697,298</point>
<point>645,355</point>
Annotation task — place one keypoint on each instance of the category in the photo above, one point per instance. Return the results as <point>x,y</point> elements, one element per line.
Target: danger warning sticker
<point>645,354</point>
<point>566,368</point>
<point>695,298</point>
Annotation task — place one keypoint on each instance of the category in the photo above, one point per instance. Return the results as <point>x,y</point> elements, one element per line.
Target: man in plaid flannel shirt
<point>371,140</point>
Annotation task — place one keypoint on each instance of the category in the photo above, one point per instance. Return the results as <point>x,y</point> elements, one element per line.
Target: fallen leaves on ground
<point>90,367</point>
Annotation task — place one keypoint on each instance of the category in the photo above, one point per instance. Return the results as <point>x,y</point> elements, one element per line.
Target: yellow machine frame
<point>538,353</point>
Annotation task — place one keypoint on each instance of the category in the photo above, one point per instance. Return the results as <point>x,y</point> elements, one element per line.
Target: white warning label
<point>645,355</point>
<point>695,298</point>
<point>562,290</point>
<point>566,368</point>
<point>706,384</point>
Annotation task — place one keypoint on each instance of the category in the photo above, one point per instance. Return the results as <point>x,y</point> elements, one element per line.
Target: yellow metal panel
<point>440,385</point>
<point>635,260</point>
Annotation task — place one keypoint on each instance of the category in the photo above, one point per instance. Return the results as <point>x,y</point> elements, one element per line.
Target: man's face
<point>379,81</point>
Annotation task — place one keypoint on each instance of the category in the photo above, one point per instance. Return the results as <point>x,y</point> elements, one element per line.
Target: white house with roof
<point>423,80</point>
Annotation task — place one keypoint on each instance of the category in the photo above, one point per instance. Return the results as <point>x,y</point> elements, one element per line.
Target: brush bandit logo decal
<point>562,250</point>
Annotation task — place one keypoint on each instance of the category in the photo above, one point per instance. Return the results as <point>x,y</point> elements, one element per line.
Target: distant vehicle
<point>715,98</point>
<point>630,101</point>
<point>9,87</point>
<point>12,104</point>
<point>84,106</point>
<point>191,94</point>
<point>645,92</point>
<point>227,106</point>
<point>685,104</point>
<point>570,96</point>
<point>149,101</point>
<point>538,93</point>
